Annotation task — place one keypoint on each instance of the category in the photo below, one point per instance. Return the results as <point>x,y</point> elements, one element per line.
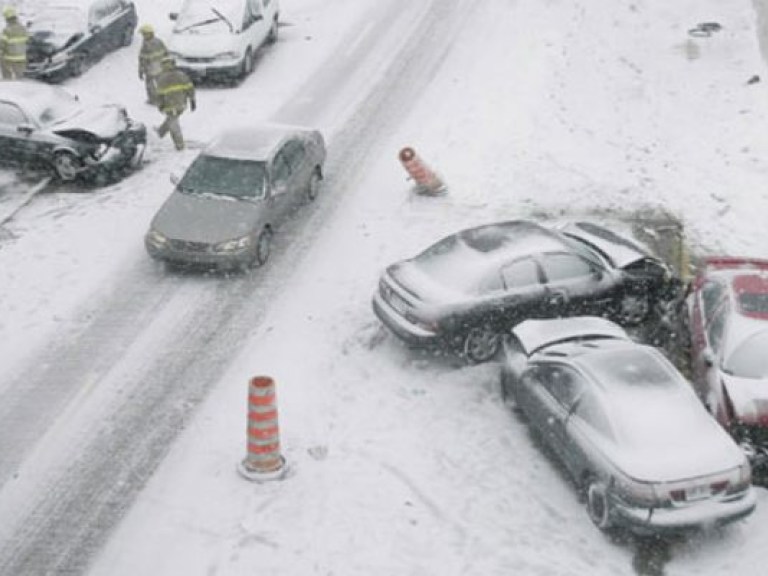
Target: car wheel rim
<point>481,344</point>
<point>597,505</point>
<point>634,308</point>
<point>66,167</point>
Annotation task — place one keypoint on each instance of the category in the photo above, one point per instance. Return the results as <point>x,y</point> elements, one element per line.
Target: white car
<point>218,39</point>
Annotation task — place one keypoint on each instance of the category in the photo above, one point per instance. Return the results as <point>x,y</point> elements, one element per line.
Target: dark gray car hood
<point>621,250</point>
<point>206,218</point>
<point>104,122</point>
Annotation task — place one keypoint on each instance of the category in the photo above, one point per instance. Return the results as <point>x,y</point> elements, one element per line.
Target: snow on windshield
<point>58,19</point>
<point>62,106</point>
<point>225,177</point>
<point>205,17</point>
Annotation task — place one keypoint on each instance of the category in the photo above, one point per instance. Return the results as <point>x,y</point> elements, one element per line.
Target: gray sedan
<point>235,194</point>
<point>627,427</point>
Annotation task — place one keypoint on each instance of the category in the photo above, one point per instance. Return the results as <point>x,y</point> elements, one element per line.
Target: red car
<point>730,350</point>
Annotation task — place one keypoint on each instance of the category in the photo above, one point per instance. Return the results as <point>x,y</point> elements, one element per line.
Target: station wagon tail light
<point>740,479</point>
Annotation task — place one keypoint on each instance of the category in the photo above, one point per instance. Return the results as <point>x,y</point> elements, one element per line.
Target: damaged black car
<point>67,36</point>
<point>43,125</point>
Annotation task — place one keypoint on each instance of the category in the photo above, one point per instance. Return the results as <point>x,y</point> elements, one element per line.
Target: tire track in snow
<point>56,524</point>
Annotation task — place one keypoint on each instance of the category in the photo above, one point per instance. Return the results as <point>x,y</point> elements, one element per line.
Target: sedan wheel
<point>247,64</point>
<point>481,344</point>
<point>598,507</point>
<point>634,308</point>
<point>314,186</point>
<point>263,248</point>
<point>66,165</point>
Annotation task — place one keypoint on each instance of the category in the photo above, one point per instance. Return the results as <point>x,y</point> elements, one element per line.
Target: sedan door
<point>255,25</point>
<point>281,201</point>
<point>17,135</point>
<point>551,393</point>
<point>574,285</point>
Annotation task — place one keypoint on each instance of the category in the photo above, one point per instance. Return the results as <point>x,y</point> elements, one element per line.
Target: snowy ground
<point>398,464</point>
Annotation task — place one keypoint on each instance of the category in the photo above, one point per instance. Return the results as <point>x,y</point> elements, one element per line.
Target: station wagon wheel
<point>314,185</point>
<point>598,505</point>
<point>66,165</point>
<point>272,38</point>
<point>263,247</point>
<point>634,308</point>
<point>481,344</point>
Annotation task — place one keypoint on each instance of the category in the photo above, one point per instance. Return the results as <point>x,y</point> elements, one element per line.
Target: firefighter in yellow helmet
<point>174,90</point>
<point>152,52</point>
<point>13,46</point>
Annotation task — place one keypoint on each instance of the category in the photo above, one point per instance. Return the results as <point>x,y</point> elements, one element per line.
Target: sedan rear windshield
<point>240,179</point>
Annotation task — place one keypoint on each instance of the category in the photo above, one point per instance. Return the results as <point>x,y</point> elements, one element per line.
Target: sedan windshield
<point>57,109</point>
<point>59,20</point>
<point>749,359</point>
<point>239,179</point>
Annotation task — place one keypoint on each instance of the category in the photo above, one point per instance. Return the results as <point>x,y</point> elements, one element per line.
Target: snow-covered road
<point>123,386</point>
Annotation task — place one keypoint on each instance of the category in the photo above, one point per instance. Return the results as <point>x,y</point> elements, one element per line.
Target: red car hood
<point>749,397</point>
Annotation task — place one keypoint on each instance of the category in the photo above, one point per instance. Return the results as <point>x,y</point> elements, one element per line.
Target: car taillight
<point>639,493</point>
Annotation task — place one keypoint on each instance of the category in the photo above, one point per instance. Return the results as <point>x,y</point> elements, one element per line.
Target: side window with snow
<point>281,169</point>
<point>711,295</point>
<point>10,115</point>
<point>558,267</point>
<point>295,154</point>
<point>520,274</point>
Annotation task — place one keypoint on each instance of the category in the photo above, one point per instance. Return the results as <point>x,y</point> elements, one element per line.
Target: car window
<point>11,115</point>
<point>281,169</point>
<point>711,295</point>
<point>295,153</point>
<point>252,12</point>
<point>716,328</point>
<point>212,175</point>
<point>564,384</point>
<point>103,10</point>
<point>592,413</point>
<point>562,266</point>
<point>520,274</point>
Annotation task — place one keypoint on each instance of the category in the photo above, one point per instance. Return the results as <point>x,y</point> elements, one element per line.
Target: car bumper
<point>48,71</point>
<point>402,328</point>
<point>182,254</point>
<point>683,519</point>
<point>210,70</point>
<point>125,151</point>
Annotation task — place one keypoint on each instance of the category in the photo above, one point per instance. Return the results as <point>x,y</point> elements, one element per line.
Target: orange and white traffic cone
<point>427,182</point>
<point>263,460</point>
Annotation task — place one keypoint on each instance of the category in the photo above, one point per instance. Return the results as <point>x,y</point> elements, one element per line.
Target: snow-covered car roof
<point>255,143</point>
<point>533,335</point>
<point>194,11</point>
<point>36,97</point>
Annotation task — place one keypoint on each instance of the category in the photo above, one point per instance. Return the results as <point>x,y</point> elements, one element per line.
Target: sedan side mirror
<point>597,273</point>
<point>279,187</point>
<point>709,357</point>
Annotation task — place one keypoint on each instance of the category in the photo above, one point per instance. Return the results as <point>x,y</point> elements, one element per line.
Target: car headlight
<point>227,56</point>
<point>233,245</point>
<point>156,238</point>
<point>59,58</point>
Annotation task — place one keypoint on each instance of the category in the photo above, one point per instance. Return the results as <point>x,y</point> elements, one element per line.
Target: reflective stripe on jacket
<point>151,55</point>
<point>174,88</point>
<point>13,43</point>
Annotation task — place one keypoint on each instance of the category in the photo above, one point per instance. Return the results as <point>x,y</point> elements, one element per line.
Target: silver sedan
<point>627,427</point>
<point>235,194</point>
